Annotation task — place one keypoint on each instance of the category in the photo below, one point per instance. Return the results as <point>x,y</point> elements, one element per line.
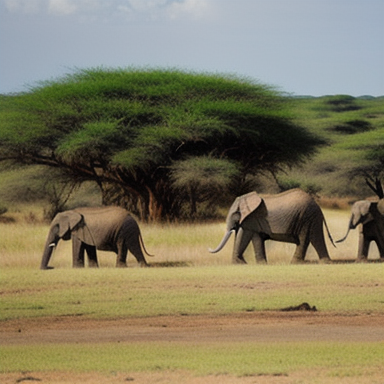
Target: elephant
<point>368,216</point>
<point>90,228</point>
<point>292,216</point>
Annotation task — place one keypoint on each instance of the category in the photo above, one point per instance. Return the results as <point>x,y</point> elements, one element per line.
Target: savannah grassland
<point>192,317</point>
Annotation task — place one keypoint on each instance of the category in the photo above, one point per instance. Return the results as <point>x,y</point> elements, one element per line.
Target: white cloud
<point>24,6</point>
<point>148,9</point>
<point>152,9</point>
<point>146,5</point>
<point>197,9</point>
<point>166,9</point>
<point>57,7</point>
<point>61,7</point>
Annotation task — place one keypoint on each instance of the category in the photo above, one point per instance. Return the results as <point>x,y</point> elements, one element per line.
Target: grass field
<point>186,284</point>
<point>22,244</point>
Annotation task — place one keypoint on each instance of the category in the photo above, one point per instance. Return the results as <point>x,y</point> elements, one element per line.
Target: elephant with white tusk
<point>368,216</point>
<point>103,228</point>
<point>292,216</point>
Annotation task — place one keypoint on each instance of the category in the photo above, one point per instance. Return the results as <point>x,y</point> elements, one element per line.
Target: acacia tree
<point>153,138</point>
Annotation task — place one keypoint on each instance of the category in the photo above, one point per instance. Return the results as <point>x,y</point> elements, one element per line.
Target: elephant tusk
<point>52,245</point>
<point>223,242</point>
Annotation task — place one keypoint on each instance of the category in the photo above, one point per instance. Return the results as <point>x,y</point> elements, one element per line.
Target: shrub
<point>341,103</point>
<point>353,126</point>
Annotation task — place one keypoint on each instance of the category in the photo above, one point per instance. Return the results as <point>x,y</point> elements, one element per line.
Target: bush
<point>3,210</point>
<point>341,103</point>
<point>353,126</point>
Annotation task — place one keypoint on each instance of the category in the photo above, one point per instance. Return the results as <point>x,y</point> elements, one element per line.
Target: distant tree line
<point>159,142</point>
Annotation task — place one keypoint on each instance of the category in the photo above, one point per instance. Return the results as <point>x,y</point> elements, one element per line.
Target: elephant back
<point>290,210</point>
<point>102,224</point>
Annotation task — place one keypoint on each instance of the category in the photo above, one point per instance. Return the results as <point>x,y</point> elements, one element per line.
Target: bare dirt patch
<point>315,376</point>
<point>245,327</point>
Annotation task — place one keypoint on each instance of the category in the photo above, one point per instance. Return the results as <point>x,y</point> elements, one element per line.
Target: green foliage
<point>354,130</point>
<point>135,128</point>
<point>204,178</point>
<point>341,103</point>
<point>353,126</point>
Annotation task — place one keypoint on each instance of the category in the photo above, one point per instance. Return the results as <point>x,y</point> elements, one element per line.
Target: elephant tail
<point>143,246</point>
<point>329,234</point>
<point>350,226</point>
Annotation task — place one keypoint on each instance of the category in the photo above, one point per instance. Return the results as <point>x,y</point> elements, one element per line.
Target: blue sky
<point>303,47</point>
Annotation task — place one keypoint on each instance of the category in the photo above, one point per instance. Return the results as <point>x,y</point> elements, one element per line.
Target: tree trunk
<point>155,208</point>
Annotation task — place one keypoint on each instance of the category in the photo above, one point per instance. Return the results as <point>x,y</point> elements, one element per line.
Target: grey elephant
<point>103,228</point>
<point>292,216</point>
<point>368,216</point>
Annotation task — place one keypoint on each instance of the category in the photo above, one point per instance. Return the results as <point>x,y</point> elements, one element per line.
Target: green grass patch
<point>116,293</point>
<point>240,359</point>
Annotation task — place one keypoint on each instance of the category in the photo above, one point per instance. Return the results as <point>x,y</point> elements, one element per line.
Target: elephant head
<point>242,207</point>
<point>63,226</point>
<point>362,213</point>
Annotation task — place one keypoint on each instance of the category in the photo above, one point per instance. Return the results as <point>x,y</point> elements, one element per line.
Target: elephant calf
<point>292,216</point>
<point>103,228</point>
<point>368,216</point>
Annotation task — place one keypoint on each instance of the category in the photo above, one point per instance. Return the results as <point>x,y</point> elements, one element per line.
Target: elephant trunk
<point>50,245</point>
<point>48,250</point>
<point>341,240</point>
<point>350,226</point>
<point>222,243</point>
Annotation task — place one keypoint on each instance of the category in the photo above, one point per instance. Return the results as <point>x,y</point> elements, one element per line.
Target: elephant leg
<point>129,240</point>
<point>316,238</point>
<point>380,246</point>
<point>378,237</point>
<point>259,247</point>
<point>363,249</point>
<point>121,260</point>
<point>77,253</point>
<point>242,240</point>
<point>301,248</point>
<point>321,249</point>
<point>135,248</point>
<point>92,256</point>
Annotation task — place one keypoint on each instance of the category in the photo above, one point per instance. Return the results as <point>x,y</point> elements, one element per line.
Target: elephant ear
<point>67,221</point>
<point>361,213</point>
<point>85,235</point>
<point>247,204</point>
<point>364,207</point>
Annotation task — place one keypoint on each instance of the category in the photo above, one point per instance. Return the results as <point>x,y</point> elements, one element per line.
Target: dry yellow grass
<point>22,244</point>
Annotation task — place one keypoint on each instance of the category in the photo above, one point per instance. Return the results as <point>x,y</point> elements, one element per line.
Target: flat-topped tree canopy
<point>146,134</point>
